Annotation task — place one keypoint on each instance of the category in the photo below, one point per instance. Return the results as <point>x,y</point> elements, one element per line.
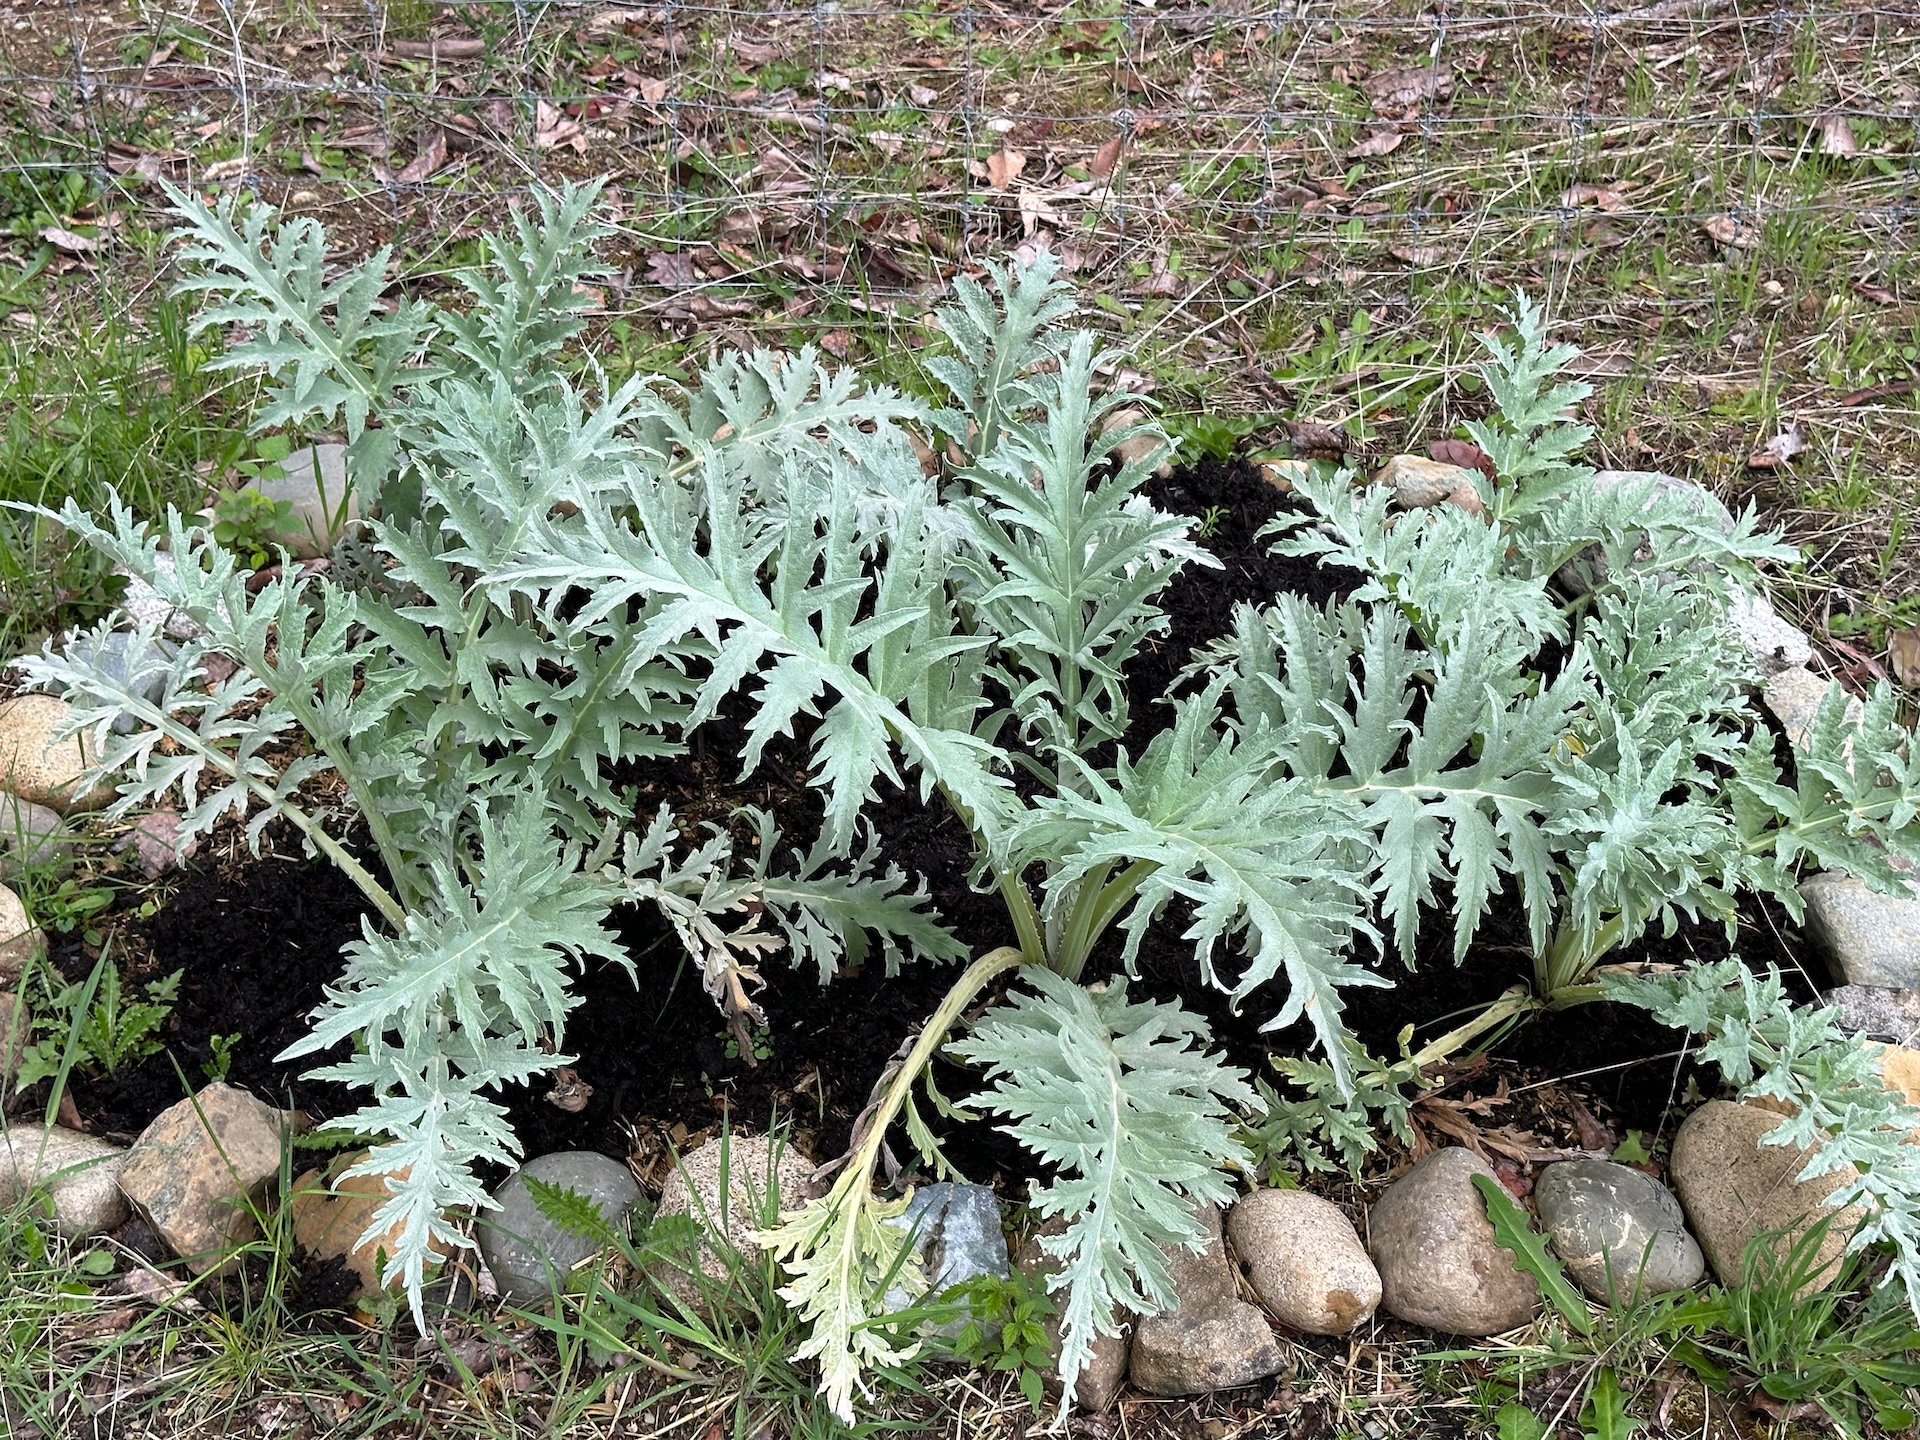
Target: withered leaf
<point>1313,437</point>
<point>1377,142</point>
<point>70,241</point>
<point>426,161</point>
<point>1395,90</point>
<point>1835,136</point>
<point>1421,257</point>
<point>1780,450</point>
<point>1601,197</point>
<point>672,270</point>
<point>1106,157</point>
<point>1736,232</point>
<point>1465,454</point>
<point>1002,168</point>
<point>754,52</point>
<point>444,47</point>
<point>1903,655</point>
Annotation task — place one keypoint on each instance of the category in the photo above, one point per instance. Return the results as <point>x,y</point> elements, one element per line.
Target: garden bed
<point>259,940</point>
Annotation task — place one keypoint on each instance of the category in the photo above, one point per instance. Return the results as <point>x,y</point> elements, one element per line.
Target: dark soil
<point>259,940</point>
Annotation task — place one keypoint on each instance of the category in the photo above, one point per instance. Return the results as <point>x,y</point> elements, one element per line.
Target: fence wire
<point>1223,178</point>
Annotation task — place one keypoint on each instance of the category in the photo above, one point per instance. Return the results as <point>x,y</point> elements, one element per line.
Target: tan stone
<point>1735,1188</point>
<point>1209,1339</point>
<point>77,1172</point>
<point>755,1168</point>
<point>1440,1265</point>
<point>1419,482</point>
<point>1284,474</point>
<point>196,1172</point>
<point>331,1210</point>
<point>1900,1070</point>
<point>21,941</point>
<point>38,767</point>
<point>1304,1260</point>
<point>1138,449</point>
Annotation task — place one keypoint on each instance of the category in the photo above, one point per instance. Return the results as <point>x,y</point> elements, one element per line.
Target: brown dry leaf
<point>1835,136</point>
<point>1465,454</point>
<point>1002,168</point>
<point>652,89</point>
<point>1404,88</point>
<point>672,270</point>
<point>1377,142</point>
<point>443,47</point>
<point>552,129</point>
<point>426,161</point>
<point>1311,437</point>
<point>69,241</point>
<point>1421,257</point>
<point>1601,197</point>
<point>754,52</point>
<point>1734,231</point>
<point>1903,655</point>
<point>1106,157</point>
<point>1778,452</point>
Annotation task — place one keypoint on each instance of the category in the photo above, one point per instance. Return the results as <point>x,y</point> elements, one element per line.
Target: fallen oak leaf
<point>1601,197</point>
<point>1399,89</point>
<point>1106,157</point>
<point>1000,170</point>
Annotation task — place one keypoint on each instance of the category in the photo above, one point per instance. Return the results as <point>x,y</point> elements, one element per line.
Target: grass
<point>96,399</point>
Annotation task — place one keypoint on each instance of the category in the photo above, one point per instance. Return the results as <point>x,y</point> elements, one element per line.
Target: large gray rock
<point>957,1237</point>
<point>732,1185</point>
<point>1735,1188</point>
<point>1304,1260</point>
<point>1210,1339</point>
<point>147,608</point>
<point>313,482</point>
<point>1105,1371</point>
<point>1868,938</point>
<point>1877,1013</point>
<point>530,1255</point>
<point>1440,1266</point>
<point>21,941</point>
<point>79,1173</point>
<point>199,1171</point>
<point>131,660</point>
<point>1775,645</point>
<point>1619,1231</point>
<point>33,837</point>
<point>1793,697</point>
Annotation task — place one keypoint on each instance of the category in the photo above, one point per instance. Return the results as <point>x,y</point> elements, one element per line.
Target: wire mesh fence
<point>1296,208</point>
